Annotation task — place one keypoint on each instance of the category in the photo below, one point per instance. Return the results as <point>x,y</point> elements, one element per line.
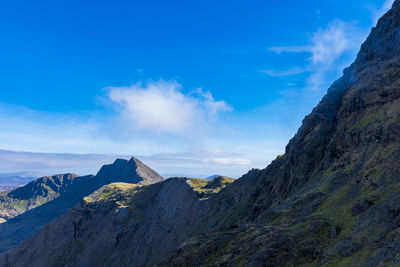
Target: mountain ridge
<point>33,194</point>
<point>67,190</point>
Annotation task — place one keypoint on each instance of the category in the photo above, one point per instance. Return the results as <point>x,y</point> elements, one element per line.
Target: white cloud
<point>167,111</point>
<point>289,49</point>
<point>330,49</point>
<point>330,43</point>
<point>211,106</point>
<point>162,107</point>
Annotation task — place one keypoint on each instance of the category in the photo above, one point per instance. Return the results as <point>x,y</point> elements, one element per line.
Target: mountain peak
<point>129,171</point>
<point>383,42</point>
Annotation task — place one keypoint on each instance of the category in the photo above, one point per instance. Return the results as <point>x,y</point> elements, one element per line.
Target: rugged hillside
<point>333,199</point>
<point>123,224</point>
<point>53,196</point>
<point>32,195</point>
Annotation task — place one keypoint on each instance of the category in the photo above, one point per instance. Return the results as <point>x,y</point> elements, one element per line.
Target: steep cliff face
<point>358,112</point>
<point>331,200</point>
<point>44,199</point>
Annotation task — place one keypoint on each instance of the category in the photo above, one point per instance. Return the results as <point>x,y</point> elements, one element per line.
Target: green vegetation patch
<point>209,187</point>
<point>113,192</point>
<point>11,207</point>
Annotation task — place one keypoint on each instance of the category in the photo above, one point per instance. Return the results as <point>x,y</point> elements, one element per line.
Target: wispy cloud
<point>228,161</point>
<point>330,43</point>
<point>290,72</point>
<point>289,49</point>
<point>327,44</point>
<point>150,118</point>
<point>330,49</point>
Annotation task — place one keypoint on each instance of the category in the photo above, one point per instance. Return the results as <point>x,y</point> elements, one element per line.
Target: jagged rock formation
<point>44,199</point>
<point>331,200</point>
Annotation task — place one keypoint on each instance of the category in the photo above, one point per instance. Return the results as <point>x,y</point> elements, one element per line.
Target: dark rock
<point>334,231</point>
<point>348,247</point>
<point>395,208</point>
<point>361,206</point>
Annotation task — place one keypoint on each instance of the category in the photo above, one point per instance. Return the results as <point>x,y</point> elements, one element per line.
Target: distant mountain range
<point>17,178</point>
<point>7,187</point>
<point>10,181</point>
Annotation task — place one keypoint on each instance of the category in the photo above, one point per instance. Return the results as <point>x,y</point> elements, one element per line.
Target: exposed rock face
<point>44,199</point>
<point>331,200</point>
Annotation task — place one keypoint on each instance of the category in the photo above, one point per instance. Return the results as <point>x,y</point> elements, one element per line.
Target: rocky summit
<point>333,198</point>
<point>132,171</point>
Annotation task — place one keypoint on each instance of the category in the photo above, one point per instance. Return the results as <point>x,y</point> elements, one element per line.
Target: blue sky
<point>191,87</point>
